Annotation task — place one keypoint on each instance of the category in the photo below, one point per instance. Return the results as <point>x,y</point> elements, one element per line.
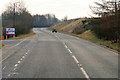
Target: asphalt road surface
<point>56,55</point>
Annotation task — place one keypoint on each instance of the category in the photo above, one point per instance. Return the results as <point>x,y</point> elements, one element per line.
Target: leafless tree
<point>17,16</point>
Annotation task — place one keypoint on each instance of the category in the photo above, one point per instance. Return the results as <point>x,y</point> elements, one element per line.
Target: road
<point>57,55</point>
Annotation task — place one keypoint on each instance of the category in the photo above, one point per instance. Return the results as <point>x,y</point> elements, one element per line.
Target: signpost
<point>10,31</point>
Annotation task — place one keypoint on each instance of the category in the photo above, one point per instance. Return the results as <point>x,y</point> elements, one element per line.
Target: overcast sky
<point>61,8</point>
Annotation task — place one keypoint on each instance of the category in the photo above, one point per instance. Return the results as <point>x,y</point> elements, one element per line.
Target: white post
<point>6,36</point>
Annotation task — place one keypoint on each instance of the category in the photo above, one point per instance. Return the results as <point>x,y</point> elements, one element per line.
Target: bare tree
<point>109,11</point>
<point>17,16</point>
<point>105,7</point>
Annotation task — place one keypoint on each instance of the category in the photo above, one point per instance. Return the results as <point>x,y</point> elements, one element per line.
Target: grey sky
<point>61,8</point>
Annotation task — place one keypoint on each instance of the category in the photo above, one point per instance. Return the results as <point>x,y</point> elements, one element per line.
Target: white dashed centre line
<point>4,67</point>
<point>23,57</point>
<point>70,51</point>
<point>19,62</point>
<point>76,60</point>
<point>15,65</point>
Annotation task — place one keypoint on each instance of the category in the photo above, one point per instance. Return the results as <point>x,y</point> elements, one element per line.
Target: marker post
<point>6,36</point>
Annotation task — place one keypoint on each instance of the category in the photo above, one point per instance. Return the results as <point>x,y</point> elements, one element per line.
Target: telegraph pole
<point>14,15</point>
<point>14,21</point>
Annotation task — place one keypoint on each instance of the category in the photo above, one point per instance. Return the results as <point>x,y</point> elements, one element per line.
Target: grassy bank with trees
<point>107,27</point>
<point>103,30</point>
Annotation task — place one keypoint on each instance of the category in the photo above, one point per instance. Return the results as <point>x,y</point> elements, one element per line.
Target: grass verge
<point>25,35</point>
<point>20,37</point>
<point>90,36</point>
<point>1,45</point>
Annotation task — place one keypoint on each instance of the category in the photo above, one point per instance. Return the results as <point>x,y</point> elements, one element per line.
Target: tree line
<point>107,26</point>
<point>17,16</point>
<point>46,20</point>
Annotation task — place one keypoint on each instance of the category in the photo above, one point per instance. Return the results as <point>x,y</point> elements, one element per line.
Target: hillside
<point>69,25</point>
<point>44,20</point>
<point>76,27</point>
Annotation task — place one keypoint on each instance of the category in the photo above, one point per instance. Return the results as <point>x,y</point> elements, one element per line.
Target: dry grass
<point>67,27</point>
<point>19,37</point>
<point>88,35</point>
<point>25,35</point>
<point>1,45</point>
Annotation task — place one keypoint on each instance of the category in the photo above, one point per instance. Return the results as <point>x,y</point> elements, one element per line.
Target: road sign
<point>10,31</point>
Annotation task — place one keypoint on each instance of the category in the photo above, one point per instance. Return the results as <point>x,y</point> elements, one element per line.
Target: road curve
<point>56,55</point>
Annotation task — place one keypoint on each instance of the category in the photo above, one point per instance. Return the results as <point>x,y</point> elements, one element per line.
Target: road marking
<point>12,47</point>
<point>14,69</point>
<point>19,62</point>
<point>4,67</point>
<point>5,58</point>
<point>9,75</point>
<point>18,43</point>
<point>15,65</point>
<point>84,72</point>
<point>65,46</point>
<point>70,51</point>
<point>75,59</point>
<point>28,51</point>
<point>23,57</point>
<point>15,73</point>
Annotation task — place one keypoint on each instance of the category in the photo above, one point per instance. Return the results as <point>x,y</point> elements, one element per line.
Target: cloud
<point>61,8</point>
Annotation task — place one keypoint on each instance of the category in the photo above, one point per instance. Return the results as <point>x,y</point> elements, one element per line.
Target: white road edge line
<point>18,43</point>
<point>13,47</point>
